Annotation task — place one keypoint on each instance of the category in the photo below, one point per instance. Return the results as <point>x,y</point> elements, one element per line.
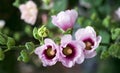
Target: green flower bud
<point>43,31</point>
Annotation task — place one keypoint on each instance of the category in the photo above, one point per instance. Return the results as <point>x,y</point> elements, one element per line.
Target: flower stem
<point>20,47</point>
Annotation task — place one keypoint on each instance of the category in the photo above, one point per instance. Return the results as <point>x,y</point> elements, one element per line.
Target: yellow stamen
<point>67,51</point>
<point>88,45</point>
<point>50,52</point>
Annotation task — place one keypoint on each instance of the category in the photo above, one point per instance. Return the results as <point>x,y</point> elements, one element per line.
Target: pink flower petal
<point>29,12</point>
<point>65,19</point>
<point>45,59</point>
<point>77,55</point>
<point>88,34</point>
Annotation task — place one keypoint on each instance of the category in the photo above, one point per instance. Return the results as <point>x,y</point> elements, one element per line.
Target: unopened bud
<point>43,31</point>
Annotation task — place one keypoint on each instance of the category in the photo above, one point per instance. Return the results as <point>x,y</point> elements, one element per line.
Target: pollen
<point>50,52</point>
<point>88,45</point>
<point>67,51</point>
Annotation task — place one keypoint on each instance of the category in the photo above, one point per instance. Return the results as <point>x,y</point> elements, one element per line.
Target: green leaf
<point>10,42</point>
<point>2,56</point>
<point>87,22</point>
<point>16,3</point>
<point>105,36</point>
<point>115,33</point>
<point>106,21</point>
<point>101,48</point>
<point>19,58</point>
<point>114,50</point>
<point>30,46</point>
<point>23,56</point>
<point>104,54</point>
<point>3,40</point>
<point>94,16</point>
<point>106,8</point>
<point>35,33</point>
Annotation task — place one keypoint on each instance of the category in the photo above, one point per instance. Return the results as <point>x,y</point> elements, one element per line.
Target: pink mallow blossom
<point>48,53</point>
<point>29,12</point>
<point>90,39</point>
<point>71,51</point>
<point>65,19</point>
<point>118,12</point>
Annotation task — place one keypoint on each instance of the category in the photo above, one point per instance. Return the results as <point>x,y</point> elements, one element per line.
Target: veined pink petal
<point>90,54</point>
<point>44,52</point>
<point>29,12</point>
<point>65,19</point>
<point>75,51</point>
<point>66,38</point>
<point>91,40</point>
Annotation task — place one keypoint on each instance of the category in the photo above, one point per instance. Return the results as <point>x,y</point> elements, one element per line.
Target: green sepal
<point>69,31</point>
<point>35,33</point>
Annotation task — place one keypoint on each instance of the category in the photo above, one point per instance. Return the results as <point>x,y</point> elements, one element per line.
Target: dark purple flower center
<point>69,51</point>
<point>88,42</point>
<point>49,52</point>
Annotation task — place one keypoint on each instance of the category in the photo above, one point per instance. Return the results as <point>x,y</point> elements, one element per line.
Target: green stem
<point>42,41</point>
<point>20,47</point>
